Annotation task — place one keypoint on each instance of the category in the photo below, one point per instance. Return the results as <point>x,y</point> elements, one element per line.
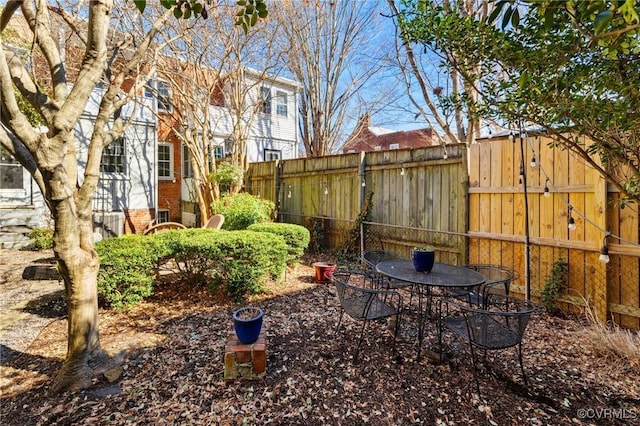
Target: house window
<point>187,171</point>
<point>10,171</point>
<point>160,90</point>
<point>114,157</point>
<point>272,154</point>
<point>265,97</point>
<point>218,151</point>
<point>163,216</point>
<point>394,146</point>
<point>281,103</point>
<point>165,161</point>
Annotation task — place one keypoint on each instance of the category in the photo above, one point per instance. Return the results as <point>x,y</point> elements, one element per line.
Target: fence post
<point>277,171</point>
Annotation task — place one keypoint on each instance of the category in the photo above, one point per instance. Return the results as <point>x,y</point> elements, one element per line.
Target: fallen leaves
<point>172,373</point>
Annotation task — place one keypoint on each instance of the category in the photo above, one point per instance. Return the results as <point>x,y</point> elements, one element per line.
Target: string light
<point>548,189</point>
<point>533,163</point>
<point>547,193</point>
<point>402,172</point>
<point>289,193</point>
<point>572,222</point>
<point>521,179</point>
<point>604,250</point>
<point>326,191</point>
<point>445,155</point>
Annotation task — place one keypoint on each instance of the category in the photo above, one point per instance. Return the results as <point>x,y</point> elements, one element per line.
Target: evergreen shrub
<point>127,267</point>
<point>41,238</point>
<point>296,237</point>
<point>242,210</point>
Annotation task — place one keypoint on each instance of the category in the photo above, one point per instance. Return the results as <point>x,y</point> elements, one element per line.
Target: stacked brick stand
<point>245,361</point>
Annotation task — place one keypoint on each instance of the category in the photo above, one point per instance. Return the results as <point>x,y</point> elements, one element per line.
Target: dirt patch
<point>32,296</point>
<point>172,370</point>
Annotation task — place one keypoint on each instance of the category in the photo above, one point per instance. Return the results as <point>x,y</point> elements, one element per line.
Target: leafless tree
<point>329,52</point>
<point>215,75</point>
<point>422,68</point>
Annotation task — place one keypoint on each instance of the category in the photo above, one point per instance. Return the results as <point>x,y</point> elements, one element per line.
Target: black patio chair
<point>371,258</point>
<point>497,281</point>
<point>363,303</point>
<point>500,324</point>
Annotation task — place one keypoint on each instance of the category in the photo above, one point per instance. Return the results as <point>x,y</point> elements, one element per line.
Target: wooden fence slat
<point>471,207</point>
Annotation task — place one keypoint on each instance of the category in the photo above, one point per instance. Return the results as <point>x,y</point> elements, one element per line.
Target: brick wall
<point>169,198</point>
<point>135,221</point>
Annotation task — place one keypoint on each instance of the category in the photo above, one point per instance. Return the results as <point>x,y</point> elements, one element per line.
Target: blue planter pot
<point>423,260</point>
<point>247,323</point>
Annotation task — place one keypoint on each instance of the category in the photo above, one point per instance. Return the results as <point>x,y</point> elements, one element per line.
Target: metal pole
<point>362,196</point>
<point>527,247</point>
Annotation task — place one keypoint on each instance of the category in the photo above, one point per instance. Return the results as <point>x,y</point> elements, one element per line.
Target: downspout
<point>155,173</point>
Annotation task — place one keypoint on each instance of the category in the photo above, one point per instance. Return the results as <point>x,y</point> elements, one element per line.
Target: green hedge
<point>236,261</point>
<point>41,238</point>
<point>247,258</point>
<point>296,237</point>
<point>127,267</point>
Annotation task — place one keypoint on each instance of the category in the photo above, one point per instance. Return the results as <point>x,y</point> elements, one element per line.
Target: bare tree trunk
<point>78,265</point>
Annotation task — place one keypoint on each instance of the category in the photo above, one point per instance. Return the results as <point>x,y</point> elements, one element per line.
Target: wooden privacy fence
<point>418,197</point>
<point>497,225</point>
<point>470,205</point>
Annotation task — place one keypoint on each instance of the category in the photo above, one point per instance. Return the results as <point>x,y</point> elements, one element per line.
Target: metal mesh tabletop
<point>442,275</point>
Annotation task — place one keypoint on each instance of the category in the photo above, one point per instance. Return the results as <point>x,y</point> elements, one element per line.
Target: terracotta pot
<point>324,271</point>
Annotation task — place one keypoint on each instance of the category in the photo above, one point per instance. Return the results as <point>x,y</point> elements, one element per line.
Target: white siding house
<point>274,134</point>
<point>272,117</point>
<point>126,192</point>
<point>144,178</point>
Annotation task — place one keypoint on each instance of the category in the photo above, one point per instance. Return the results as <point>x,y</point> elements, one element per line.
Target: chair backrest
<point>354,297</point>
<point>163,227</point>
<point>215,222</point>
<point>498,278</point>
<point>372,257</point>
<point>500,324</point>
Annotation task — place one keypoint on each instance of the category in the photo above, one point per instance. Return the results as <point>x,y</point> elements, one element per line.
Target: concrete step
<point>15,229</point>
<point>16,224</point>
<point>13,236</point>
<point>17,244</point>
<point>33,221</point>
<point>20,216</point>
<point>16,211</point>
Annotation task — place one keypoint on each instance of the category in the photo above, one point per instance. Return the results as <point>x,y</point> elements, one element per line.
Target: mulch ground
<point>172,371</point>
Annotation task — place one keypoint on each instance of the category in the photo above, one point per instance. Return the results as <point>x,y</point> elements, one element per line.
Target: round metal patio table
<point>441,276</point>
